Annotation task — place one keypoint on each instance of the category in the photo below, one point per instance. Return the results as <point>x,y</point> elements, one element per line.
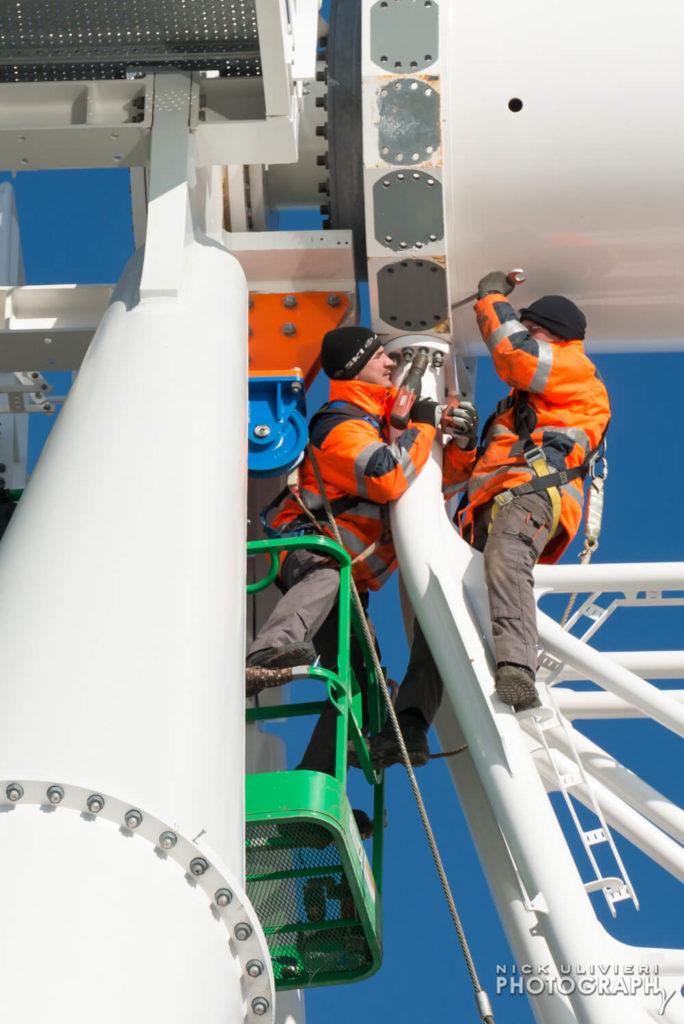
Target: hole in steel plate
<point>515,105</point>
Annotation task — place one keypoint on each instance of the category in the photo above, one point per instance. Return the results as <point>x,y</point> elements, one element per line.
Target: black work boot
<point>515,685</point>
<point>287,656</point>
<point>385,749</point>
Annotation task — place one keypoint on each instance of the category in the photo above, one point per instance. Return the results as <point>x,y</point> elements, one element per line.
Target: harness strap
<point>544,479</point>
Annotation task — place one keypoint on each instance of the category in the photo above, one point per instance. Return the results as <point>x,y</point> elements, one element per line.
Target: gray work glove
<point>461,422</point>
<point>426,410</point>
<point>495,281</point>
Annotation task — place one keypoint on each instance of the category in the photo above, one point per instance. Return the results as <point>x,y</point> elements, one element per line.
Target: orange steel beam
<point>286,330</point>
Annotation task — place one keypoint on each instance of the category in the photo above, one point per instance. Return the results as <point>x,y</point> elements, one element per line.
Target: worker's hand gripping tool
<point>513,277</point>
<point>409,391</point>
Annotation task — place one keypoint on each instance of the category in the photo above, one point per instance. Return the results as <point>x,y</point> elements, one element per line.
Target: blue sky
<point>76,229</point>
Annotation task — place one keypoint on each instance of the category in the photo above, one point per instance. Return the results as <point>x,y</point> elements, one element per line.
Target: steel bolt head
<point>334,301</point>
<point>14,792</point>
<point>289,329</point>
<point>133,818</point>
<point>262,430</point>
<point>95,803</point>
<point>243,931</point>
<point>260,1006</point>
<point>296,385</point>
<point>167,840</point>
<point>255,968</point>
<point>223,897</point>
<point>55,794</point>
<point>290,302</point>
<point>198,866</point>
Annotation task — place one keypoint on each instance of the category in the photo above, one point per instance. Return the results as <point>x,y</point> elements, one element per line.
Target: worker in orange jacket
<point>525,495</point>
<point>362,471</point>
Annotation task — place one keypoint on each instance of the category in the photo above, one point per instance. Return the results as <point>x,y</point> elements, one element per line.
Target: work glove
<point>495,281</point>
<point>461,422</point>
<point>426,410</point>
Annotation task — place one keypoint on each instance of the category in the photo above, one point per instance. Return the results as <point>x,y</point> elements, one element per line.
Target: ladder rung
<point>595,835</point>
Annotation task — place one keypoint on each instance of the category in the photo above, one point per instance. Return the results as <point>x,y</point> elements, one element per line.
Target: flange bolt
<point>133,818</point>
<point>198,866</point>
<point>290,302</point>
<point>167,840</point>
<point>260,1006</point>
<point>223,897</point>
<point>333,301</point>
<point>243,931</point>
<point>14,792</point>
<point>95,803</point>
<point>289,329</point>
<point>262,430</point>
<point>255,968</point>
<point>55,794</point>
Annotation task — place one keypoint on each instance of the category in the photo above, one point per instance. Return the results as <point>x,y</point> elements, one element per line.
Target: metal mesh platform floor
<point>297,884</point>
<point>44,40</point>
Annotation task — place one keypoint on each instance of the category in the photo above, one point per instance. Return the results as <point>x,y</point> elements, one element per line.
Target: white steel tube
<point>648,664</point>
<point>620,681</point>
<point>433,562</point>
<point>620,781</point>
<point>579,704</point>
<point>619,815</point>
<point>121,625</point>
<point>518,918</point>
<point>623,577</point>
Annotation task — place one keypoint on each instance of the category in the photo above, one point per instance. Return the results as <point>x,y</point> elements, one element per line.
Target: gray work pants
<point>311,585</point>
<point>511,550</point>
<point>309,611</point>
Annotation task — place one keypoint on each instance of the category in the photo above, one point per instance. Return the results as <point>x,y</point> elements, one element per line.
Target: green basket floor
<point>308,913</point>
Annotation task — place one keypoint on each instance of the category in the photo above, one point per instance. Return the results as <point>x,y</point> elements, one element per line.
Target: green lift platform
<point>315,889</point>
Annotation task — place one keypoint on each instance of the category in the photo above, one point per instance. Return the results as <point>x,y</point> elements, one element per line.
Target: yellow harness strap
<point>539,466</point>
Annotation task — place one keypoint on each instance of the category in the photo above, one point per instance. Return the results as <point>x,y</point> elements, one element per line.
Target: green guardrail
<point>316,891</point>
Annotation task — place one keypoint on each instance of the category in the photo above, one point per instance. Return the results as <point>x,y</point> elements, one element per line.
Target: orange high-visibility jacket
<point>572,411</point>
<point>362,472</point>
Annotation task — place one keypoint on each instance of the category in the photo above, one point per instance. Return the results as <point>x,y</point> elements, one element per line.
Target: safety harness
<point>545,478</point>
<point>313,520</point>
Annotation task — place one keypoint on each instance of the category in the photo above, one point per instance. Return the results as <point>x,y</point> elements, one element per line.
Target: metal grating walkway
<point>47,41</point>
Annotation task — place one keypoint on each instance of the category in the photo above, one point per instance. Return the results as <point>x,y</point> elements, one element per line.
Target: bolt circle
<point>133,818</point>
<point>95,803</point>
<point>55,794</point>
<point>255,968</point>
<point>167,840</point>
<point>243,931</point>
<point>223,897</point>
<point>14,792</point>
<point>198,866</point>
<point>260,1006</point>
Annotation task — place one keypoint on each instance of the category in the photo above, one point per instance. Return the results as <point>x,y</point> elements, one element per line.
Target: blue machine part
<point>277,424</point>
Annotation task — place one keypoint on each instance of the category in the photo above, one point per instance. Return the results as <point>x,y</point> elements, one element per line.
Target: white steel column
<point>122,619</point>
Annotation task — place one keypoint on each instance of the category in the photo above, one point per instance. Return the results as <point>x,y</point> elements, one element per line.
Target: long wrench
<point>513,277</point>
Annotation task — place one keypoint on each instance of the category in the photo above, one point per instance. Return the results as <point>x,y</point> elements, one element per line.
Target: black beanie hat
<point>558,315</point>
<point>346,350</point>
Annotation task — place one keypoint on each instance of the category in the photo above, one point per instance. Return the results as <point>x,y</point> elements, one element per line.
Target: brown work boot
<point>258,679</point>
<point>515,685</point>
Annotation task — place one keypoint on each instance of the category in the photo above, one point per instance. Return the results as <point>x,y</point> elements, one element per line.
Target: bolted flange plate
<point>408,210</point>
<point>408,126</point>
<point>404,34</point>
<point>223,892</point>
<point>412,295</point>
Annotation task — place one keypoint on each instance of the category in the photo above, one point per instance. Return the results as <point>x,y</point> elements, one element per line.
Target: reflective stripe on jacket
<point>569,401</point>
<point>356,460</point>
